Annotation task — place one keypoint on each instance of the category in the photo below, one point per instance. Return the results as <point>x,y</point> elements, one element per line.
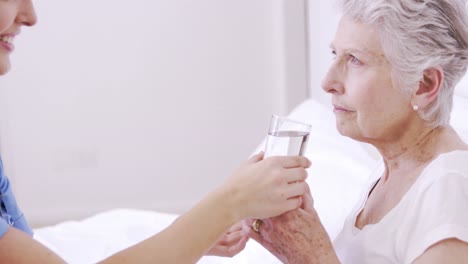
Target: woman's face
<point>367,104</point>
<point>13,15</point>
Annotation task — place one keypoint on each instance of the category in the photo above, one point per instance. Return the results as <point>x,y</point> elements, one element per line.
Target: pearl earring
<point>415,107</point>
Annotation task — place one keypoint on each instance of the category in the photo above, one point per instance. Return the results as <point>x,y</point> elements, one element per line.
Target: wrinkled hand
<point>268,187</point>
<point>231,243</point>
<point>296,236</point>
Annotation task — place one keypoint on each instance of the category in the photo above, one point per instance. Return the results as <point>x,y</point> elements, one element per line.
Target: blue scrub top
<point>11,215</point>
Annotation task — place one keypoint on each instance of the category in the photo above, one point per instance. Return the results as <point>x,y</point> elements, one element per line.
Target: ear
<point>429,87</point>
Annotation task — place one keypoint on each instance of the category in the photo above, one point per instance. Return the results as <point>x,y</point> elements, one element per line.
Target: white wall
<point>322,23</point>
<point>143,104</point>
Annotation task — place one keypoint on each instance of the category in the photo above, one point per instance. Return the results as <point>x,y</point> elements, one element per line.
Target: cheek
<point>369,89</point>
<point>373,108</point>
<point>7,17</point>
<point>3,22</point>
<point>370,103</point>
<point>362,93</point>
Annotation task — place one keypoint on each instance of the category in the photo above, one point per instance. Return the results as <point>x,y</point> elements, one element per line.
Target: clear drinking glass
<point>286,137</point>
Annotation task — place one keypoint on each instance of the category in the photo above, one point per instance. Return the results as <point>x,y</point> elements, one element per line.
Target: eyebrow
<point>367,53</point>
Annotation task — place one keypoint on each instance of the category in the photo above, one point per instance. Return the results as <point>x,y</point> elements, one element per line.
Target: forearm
<point>188,238</point>
<point>17,247</point>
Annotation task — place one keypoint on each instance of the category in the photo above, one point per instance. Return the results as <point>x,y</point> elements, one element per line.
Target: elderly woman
<point>271,187</point>
<point>396,63</point>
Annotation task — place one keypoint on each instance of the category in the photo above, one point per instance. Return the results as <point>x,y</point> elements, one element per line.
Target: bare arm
<point>18,247</point>
<point>446,251</point>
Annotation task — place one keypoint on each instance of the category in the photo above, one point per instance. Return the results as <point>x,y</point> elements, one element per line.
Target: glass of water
<point>286,137</point>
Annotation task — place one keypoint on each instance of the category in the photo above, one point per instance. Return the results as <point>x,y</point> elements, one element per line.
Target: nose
<point>332,83</point>
<point>26,13</point>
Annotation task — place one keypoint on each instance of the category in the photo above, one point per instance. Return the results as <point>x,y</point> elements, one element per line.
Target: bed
<point>340,167</point>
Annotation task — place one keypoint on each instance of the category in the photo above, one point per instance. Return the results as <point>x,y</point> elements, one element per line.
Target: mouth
<point>7,39</point>
<point>341,109</point>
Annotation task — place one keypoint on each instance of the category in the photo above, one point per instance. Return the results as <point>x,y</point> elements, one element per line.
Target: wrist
<point>231,202</point>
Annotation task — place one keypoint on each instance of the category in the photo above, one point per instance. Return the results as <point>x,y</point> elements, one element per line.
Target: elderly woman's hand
<point>296,236</point>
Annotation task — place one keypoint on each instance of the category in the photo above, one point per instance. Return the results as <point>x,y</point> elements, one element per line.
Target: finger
<point>248,231</point>
<point>246,223</point>
<point>231,251</point>
<point>256,158</point>
<point>307,202</point>
<point>308,189</point>
<point>259,238</point>
<point>292,204</point>
<point>231,238</point>
<point>239,246</point>
<point>295,189</point>
<point>236,227</point>
<point>249,224</point>
<point>296,174</point>
<point>293,161</point>
<point>219,251</point>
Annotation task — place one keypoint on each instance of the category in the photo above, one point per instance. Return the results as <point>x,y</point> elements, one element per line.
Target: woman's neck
<point>415,151</point>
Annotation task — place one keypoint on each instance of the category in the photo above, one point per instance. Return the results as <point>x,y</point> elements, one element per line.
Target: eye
<point>354,60</point>
<point>333,54</point>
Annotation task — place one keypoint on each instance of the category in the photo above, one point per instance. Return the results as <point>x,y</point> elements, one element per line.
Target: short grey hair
<point>417,35</point>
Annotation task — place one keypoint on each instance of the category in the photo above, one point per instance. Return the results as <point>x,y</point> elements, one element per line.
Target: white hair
<point>417,35</point>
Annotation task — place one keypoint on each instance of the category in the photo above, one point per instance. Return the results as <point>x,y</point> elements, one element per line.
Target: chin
<point>343,128</point>
<point>4,69</point>
<point>349,131</point>
<point>345,132</point>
